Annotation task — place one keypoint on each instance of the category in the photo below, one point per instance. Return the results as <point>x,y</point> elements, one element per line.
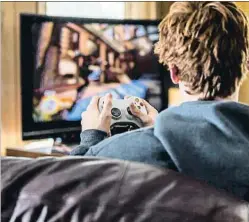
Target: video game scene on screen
<point>75,62</point>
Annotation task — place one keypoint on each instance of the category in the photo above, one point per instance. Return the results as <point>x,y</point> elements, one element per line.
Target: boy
<point>205,45</point>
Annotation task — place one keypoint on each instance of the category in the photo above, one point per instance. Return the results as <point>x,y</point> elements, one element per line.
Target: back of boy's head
<point>208,42</point>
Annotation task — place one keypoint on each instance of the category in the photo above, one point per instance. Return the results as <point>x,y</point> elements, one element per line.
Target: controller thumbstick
<point>116,113</point>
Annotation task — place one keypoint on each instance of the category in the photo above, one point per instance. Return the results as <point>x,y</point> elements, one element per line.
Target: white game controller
<point>121,114</point>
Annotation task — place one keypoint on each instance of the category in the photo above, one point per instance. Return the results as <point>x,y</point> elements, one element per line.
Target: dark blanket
<point>92,189</point>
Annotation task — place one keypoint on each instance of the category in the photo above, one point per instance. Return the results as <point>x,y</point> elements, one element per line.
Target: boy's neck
<point>187,98</point>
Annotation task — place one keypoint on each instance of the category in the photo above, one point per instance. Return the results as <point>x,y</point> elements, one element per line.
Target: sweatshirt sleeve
<point>88,138</point>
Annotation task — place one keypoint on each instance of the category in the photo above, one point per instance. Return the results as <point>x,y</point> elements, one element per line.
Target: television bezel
<point>38,130</point>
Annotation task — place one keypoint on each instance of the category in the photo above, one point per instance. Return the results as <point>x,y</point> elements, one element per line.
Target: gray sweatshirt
<point>208,140</point>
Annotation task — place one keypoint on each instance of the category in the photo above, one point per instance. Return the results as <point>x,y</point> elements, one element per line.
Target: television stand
<point>40,148</point>
<point>20,152</point>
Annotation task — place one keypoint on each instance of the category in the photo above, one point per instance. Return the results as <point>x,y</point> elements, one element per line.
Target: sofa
<point>82,189</point>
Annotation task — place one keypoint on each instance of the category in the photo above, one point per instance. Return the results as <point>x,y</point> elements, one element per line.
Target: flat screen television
<point>66,61</point>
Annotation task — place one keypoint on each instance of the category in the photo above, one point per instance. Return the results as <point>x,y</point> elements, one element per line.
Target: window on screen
<point>109,10</point>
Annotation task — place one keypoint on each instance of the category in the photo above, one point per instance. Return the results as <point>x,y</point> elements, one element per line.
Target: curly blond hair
<point>208,42</point>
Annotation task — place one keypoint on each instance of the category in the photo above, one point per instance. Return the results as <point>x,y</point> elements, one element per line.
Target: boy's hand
<point>147,119</point>
<point>93,119</point>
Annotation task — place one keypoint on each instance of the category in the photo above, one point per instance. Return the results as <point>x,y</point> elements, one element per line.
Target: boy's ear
<point>174,74</point>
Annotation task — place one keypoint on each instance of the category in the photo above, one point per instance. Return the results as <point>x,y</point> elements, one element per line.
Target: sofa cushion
<point>98,189</point>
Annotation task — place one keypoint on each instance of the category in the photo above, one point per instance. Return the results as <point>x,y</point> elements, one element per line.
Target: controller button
<point>137,100</point>
<point>116,113</point>
<point>138,107</point>
<point>141,104</point>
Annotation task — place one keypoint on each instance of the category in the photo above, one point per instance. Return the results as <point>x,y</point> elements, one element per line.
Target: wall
<point>146,10</point>
<point>244,91</point>
<point>10,70</point>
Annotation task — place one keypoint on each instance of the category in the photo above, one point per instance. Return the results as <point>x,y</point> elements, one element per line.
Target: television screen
<point>75,61</point>
<point>66,61</point>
